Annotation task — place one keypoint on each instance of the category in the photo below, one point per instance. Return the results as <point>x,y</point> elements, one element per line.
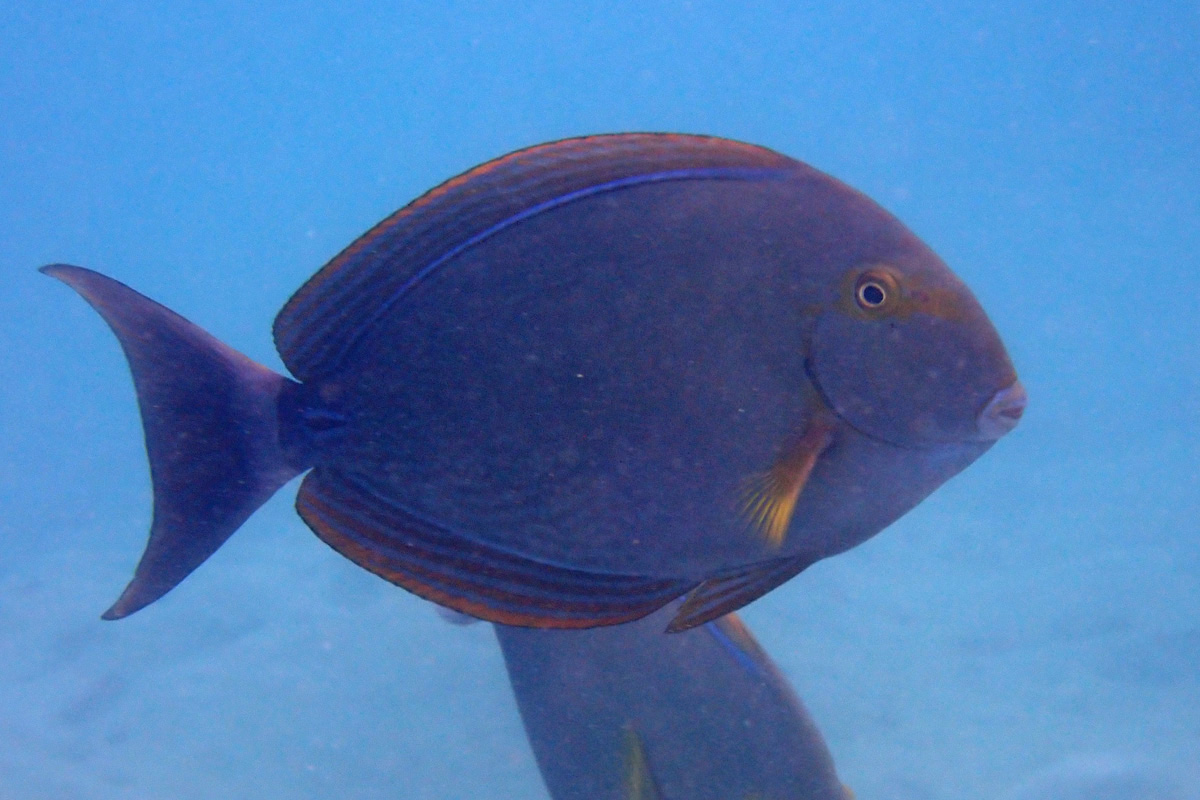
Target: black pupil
<point>871,294</point>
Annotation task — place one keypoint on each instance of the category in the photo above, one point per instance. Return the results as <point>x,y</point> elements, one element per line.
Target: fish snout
<point>1002,412</point>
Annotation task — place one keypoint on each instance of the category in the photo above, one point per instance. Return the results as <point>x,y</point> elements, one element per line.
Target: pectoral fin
<point>769,498</point>
<point>639,783</point>
<point>718,596</point>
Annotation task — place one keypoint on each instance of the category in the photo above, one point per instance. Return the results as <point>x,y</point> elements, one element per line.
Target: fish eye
<point>871,294</point>
<point>875,289</point>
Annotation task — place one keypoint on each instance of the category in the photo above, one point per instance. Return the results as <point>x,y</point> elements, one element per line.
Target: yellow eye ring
<point>876,290</point>
<point>871,294</point>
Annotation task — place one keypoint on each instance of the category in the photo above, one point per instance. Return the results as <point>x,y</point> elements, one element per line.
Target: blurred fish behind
<point>631,713</point>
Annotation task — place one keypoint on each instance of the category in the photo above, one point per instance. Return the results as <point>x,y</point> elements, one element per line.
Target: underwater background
<point>1039,615</point>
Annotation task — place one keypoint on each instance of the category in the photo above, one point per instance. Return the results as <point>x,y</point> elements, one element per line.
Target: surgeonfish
<point>579,382</point>
<point>629,712</point>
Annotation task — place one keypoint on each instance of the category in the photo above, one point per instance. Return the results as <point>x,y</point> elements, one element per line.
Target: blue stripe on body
<point>708,173</point>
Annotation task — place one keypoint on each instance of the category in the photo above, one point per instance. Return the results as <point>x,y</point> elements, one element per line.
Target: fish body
<point>582,380</point>
<point>628,712</point>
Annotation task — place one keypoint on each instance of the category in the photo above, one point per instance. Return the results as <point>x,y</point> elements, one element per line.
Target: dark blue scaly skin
<point>594,386</point>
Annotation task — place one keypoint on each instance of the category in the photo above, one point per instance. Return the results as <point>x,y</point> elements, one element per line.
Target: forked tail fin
<point>212,432</point>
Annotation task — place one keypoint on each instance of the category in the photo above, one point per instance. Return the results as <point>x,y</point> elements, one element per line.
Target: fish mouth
<point>1002,412</point>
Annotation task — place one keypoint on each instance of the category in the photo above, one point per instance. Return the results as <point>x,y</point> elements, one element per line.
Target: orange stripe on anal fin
<point>333,527</point>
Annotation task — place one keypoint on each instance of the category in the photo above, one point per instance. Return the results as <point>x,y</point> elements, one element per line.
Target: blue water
<point>1039,612</point>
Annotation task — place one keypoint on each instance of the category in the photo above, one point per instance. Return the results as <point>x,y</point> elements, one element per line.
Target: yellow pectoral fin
<point>770,497</point>
<point>639,782</point>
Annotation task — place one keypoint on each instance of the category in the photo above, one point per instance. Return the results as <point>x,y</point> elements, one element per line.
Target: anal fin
<point>718,596</point>
<point>465,574</point>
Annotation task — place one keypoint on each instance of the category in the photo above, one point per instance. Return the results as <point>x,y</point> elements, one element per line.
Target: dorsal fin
<point>323,319</point>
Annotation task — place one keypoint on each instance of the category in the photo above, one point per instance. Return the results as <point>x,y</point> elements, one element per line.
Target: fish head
<point>903,353</point>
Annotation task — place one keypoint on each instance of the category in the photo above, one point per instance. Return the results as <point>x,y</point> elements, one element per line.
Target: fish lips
<point>1002,412</point>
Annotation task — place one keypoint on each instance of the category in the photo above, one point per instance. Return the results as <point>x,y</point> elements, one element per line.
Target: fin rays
<point>313,331</point>
<point>719,596</point>
<point>769,498</point>
<point>466,575</point>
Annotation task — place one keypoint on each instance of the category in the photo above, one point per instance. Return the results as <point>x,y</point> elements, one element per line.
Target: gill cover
<point>905,353</point>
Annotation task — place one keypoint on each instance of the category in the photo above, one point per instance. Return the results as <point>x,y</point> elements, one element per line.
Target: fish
<point>630,712</point>
<point>578,382</point>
